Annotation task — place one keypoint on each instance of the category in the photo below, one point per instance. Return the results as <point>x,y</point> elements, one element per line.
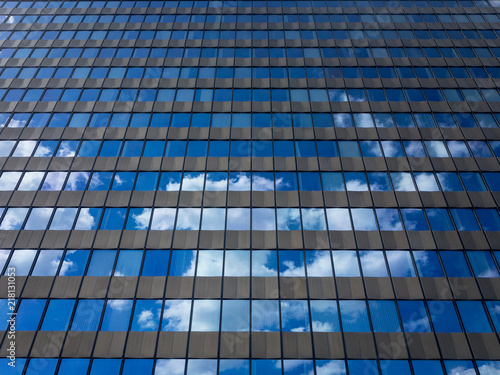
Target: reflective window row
<point>101,366</point>
<point>249,95</point>
<point>366,72</point>
<point>129,148</point>
<point>254,263</point>
<point>244,219</point>
<point>249,4</point>
<point>304,35</point>
<point>256,18</point>
<point>247,120</point>
<point>296,315</point>
<point>249,181</point>
<point>258,53</point>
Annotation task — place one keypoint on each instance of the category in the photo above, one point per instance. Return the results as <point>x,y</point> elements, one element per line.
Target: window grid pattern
<point>251,187</point>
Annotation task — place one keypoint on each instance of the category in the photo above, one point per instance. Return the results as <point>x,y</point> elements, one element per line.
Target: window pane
<point>117,315</point>
<point>58,315</point>
<point>384,316</point>
<point>87,315</point>
<point>473,316</point>
<point>294,316</point>
<point>235,315</point>
<point>414,316</point>
<point>176,315</point>
<point>444,317</point>
<point>206,314</point>
<point>325,316</point>
<point>146,315</point>
<point>354,316</point>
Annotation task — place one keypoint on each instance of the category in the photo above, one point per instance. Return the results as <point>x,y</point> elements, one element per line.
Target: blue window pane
<point>414,219</point>
<point>443,316</point>
<point>110,148</point>
<point>74,366</point>
<point>29,314</point>
<point>132,148</point>
<point>391,367</point>
<point>265,316</point>
<point>117,315</point>
<point>473,181</point>
<point>100,181</point>
<point>388,219</point>
<point>146,181</point>
<point>354,316</point>
<point>291,263</point>
<point>87,315</point>
<point>101,263</point>
<point>384,316</point>
<point>286,181</point>
<point>297,367</point>
<point>488,218</point>
<point>284,149</point>
<point>428,264</point>
<point>57,315</point>
<point>88,218</point>
<point>449,181</point>
<point>488,367</point>
<point>123,181</point>
<point>363,219</point>
<point>170,181</point>
<point>439,219</point>
<point>355,181</point>
<point>266,366</point>
<point>305,148</point>
<point>361,367</point>
<point>170,366</point>
<point>129,263</point>
<point>113,218</point>
<point>295,316</point>
<point>154,148</point>
<point>370,149</point>
<point>74,263</point>
<point>427,367</point>
<point>146,315</point>
<point>155,263</point>
<point>137,366</point>
<point>235,315</point>
<point>400,264</point>
<point>325,316</point>
<point>105,367</point>
<point>494,310</point>
<point>473,316</point>
<point>349,149</point>
<point>234,366</point>
<point>455,264</point>
<point>45,366</point>
<point>309,181</point>
<point>379,181</point>
<point>327,149</point>
<point>332,181</point>
<point>482,264</point>
<point>464,219</point>
<point>457,367</point>
<point>182,263</point>
<point>313,219</point>
<point>414,316</point>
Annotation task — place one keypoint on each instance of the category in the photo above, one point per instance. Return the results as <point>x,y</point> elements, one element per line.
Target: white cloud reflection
<point>14,218</point>
<point>163,219</point>
<point>170,367</point>
<point>176,315</point>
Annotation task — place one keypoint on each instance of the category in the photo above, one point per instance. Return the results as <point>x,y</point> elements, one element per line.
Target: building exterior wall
<point>236,187</point>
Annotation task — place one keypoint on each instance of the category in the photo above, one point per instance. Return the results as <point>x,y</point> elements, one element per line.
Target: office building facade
<point>250,187</point>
